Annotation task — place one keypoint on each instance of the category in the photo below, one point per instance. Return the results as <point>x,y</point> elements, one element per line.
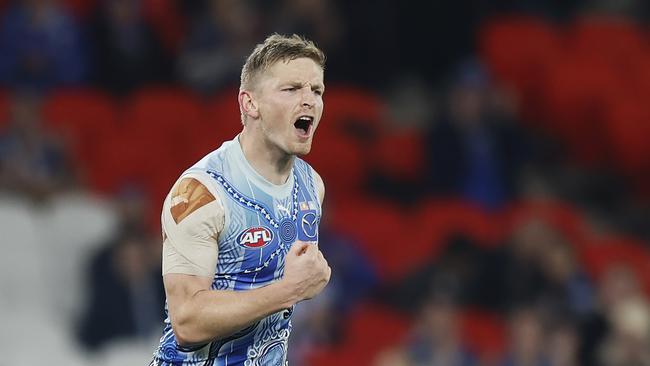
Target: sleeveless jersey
<point>262,220</point>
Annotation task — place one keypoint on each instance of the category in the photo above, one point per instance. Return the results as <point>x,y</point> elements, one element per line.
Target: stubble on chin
<point>303,149</point>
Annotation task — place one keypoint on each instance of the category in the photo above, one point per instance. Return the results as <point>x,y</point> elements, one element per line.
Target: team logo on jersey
<point>255,237</point>
<point>309,224</point>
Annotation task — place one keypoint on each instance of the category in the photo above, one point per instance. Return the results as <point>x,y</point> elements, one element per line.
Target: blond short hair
<point>278,48</point>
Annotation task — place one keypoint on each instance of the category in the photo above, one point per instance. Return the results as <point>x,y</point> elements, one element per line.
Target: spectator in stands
<point>33,162</point>
<point>436,338</point>
<point>627,344</point>
<point>213,52</point>
<point>126,51</point>
<point>124,288</point>
<point>458,268</point>
<point>527,346</point>
<point>562,343</point>
<point>473,153</point>
<point>40,46</point>
<point>411,105</point>
<point>438,341</point>
<point>319,20</point>
<point>603,331</point>
<point>315,18</point>
<point>567,287</point>
<point>124,281</point>
<point>512,274</point>
<point>537,265</point>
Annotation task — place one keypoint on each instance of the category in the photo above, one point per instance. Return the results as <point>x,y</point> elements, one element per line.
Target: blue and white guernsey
<point>262,220</point>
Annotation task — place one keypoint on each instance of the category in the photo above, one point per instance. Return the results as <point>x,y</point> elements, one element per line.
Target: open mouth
<point>303,124</point>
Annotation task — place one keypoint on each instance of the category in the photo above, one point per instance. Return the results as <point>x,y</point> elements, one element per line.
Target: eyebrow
<point>298,84</point>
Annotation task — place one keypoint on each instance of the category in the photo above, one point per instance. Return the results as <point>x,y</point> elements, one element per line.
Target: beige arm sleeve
<point>192,219</point>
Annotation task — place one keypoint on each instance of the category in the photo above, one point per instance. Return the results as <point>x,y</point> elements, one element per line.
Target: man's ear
<point>247,104</point>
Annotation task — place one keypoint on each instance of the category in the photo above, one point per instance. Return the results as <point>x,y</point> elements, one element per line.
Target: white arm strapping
<point>192,219</point>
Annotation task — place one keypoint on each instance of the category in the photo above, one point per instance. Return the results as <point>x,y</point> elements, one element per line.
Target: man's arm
<point>198,313</point>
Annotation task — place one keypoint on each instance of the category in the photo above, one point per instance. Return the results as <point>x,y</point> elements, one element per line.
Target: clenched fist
<point>306,271</point>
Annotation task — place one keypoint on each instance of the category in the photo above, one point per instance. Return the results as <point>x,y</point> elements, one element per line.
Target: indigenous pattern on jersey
<point>262,220</point>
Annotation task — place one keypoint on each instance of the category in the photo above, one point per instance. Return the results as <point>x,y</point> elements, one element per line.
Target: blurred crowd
<point>119,45</point>
<point>528,296</point>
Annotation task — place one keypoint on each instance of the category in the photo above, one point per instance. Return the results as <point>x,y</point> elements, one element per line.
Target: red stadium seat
<point>222,123</point>
<point>166,19</point>
<point>123,160</point>
<point>165,120</point>
<point>370,330</point>
<point>575,95</point>
<point>326,356</point>
<point>484,333</point>
<point>397,242</point>
<point>84,118</point>
<point>4,109</point>
<point>440,219</point>
<point>559,215</point>
<point>339,356</point>
<point>341,163</point>
<point>153,141</point>
<point>518,48</point>
<point>642,75</point>
<point>384,233</point>
<point>400,155</point>
<point>628,128</point>
<point>340,151</point>
<point>351,111</point>
<point>604,253</point>
<point>617,41</point>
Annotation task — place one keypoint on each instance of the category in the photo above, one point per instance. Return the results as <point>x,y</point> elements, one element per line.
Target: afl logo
<point>255,237</point>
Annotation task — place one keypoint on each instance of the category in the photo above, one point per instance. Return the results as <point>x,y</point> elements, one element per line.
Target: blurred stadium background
<point>487,166</point>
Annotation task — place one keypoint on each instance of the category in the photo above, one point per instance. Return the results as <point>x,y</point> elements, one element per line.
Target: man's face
<point>290,102</point>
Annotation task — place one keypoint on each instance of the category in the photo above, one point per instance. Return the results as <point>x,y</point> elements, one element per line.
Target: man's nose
<point>308,99</point>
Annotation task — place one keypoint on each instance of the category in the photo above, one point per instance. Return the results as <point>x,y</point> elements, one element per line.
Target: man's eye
<point>318,92</point>
<point>289,89</point>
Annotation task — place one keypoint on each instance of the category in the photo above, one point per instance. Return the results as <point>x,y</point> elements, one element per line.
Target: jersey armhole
<point>312,185</point>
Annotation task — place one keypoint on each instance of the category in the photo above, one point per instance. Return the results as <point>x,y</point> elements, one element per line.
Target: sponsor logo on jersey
<point>255,237</point>
<point>309,224</point>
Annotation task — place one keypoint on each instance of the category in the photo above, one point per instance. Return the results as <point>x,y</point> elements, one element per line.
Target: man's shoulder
<point>306,169</point>
<point>213,160</point>
<point>198,176</point>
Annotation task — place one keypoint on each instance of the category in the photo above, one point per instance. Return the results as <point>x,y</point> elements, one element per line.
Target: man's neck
<point>271,163</point>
